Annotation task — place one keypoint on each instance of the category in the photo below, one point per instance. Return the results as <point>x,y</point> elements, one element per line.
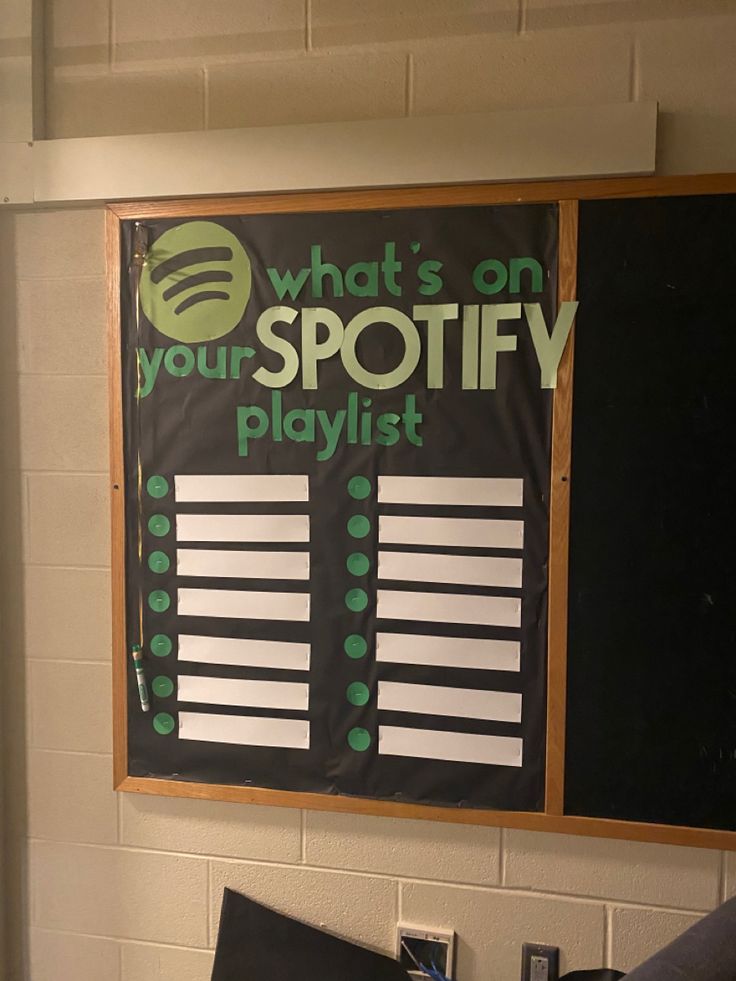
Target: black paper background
<point>187,425</point>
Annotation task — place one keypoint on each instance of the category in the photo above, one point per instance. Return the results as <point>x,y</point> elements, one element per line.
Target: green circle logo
<point>196,282</point>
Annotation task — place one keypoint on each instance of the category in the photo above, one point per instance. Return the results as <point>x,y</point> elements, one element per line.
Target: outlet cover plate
<point>425,942</point>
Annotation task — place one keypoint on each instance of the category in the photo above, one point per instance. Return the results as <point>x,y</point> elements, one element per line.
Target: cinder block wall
<point>128,888</point>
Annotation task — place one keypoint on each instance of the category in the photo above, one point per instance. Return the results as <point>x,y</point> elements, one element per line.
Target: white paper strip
<point>241,487</point>
<point>465,703</point>
<point>238,564</point>
<point>243,604</point>
<point>476,491</point>
<point>450,652</point>
<point>471,570</point>
<point>467,532</point>
<point>245,652</point>
<point>242,527</point>
<point>235,691</point>
<point>244,730</point>
<point>498,611</point>
<point>460,747</point>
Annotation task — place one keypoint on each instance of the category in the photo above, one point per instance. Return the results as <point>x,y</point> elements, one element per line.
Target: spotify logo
<point>196,282</point>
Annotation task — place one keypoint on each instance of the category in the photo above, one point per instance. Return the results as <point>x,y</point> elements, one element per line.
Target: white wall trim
<point>590,141</point>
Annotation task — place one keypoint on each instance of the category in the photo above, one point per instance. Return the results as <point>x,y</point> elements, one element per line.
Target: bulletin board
<point>382,549</point>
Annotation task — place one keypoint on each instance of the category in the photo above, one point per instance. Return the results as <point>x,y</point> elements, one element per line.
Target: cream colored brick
<point>147,31</point>
<point>687,66</point>
<point>63,423</point>
<point>335,22</point>
<point>149,963</point>
<point>116,893</point>
<point>69,957</point>
<point>486,74</point>
<point>60,244</point>
<point>77,34</point>
<point>545,14</point>
<point>636,934</point>
<point>61,326</point>
<point>9,430</point>
<point>68,519</point>
<point>70,706</point>
<point>696,142</point>
<point>417,849</point>
<point>308,90</point>
<point>730,879</point>
<point>491,926</point>
<point>212,828</point>
<point>356,907</point>
<point>15,77</point>
<point>70,798</point>
<point>77,598</point>
<point>664,875</point>
<point>118,104</point>
<point>15,24</point>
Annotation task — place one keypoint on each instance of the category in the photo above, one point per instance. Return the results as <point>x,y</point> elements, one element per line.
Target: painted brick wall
<point>128,888</point>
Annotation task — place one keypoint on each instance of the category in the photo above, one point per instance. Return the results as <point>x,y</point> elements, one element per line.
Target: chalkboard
<point>579,677</point>
<point>651,705</point>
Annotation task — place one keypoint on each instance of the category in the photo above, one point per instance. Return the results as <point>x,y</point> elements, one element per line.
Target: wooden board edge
<point>519,820</point>
<point>559,523</point>
<point>117,500</point>
<point>428,196</point>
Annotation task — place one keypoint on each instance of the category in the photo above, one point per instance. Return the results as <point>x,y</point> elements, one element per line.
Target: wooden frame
<point>566,194</point>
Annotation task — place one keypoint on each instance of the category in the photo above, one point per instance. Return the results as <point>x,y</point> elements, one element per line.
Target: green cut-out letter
<point>491,342</point>
<point>271,340</point>
<point>549,346</point>
<point>412,347</point>
<point>314,350</point>
<point>149,369</point>
<point>435,314</point>
<point>245,430</point>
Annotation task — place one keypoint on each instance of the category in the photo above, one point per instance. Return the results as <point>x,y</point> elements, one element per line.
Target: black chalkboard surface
<point>651,701</point>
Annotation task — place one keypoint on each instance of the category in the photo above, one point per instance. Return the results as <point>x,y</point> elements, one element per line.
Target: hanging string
<point>138,260</point>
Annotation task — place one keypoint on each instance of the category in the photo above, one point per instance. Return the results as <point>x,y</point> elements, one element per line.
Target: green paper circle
<point>359,739</point>
<point>194,285</point>
<point>159,562</point>
<point>356,600</point>
<point>357,693</point>
<point>355,646</point>
<point>164,723</point>
<point>358,564</point>
<point>159,525</point>
<point>159,601</point>
<point>162,686</point>
<point>359,488</point>
<point>157,486</point>
<point>359,526</point>
<point>161,645</point>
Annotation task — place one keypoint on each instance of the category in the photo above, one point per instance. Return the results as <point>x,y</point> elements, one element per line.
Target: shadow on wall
<point>13,856</point>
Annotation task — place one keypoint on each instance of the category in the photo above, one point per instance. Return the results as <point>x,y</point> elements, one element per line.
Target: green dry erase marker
<point>140,676</point>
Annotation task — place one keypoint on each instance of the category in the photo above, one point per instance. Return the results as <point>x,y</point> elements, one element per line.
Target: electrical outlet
<point>420,945</point>
<point>540,963</point>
